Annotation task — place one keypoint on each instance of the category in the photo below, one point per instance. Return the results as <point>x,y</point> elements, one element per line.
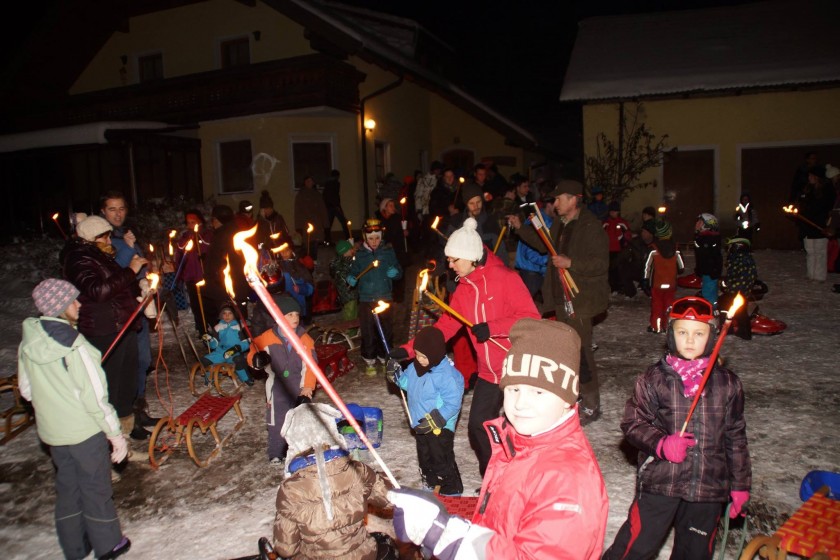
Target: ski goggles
<point>692,309</point>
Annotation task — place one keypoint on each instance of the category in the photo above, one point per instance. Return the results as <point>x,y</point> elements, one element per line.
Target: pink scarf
<point>690,371</point>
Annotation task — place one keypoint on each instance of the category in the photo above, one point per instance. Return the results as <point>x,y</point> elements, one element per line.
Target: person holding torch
<point>492,298</point>
<point>690,465</point>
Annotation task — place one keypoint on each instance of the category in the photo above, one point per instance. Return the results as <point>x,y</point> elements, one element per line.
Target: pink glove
<point>674,447</point>
<point>739,498</point>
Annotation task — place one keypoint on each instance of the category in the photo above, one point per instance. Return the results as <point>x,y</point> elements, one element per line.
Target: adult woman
<point>493,298</point>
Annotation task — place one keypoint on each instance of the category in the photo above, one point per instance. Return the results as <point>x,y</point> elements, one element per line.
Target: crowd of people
<point>526,271</point>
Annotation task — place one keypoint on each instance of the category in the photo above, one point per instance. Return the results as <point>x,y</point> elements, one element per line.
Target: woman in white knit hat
<point>492,297</point>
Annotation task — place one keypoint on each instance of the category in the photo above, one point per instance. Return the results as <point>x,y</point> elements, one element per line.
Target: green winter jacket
<point>59,371</point>
<point>376,284</point>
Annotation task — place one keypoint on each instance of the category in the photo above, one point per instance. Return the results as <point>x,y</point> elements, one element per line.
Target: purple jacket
<point>192,271</point>
<point>719,463</point>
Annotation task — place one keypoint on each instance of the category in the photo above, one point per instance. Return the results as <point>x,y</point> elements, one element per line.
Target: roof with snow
<point>763,45</point>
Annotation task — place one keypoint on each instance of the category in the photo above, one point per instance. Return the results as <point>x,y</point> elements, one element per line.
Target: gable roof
<point>763,45</point>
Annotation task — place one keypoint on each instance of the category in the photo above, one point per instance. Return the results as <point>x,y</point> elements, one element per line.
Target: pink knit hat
<point>53,296</point>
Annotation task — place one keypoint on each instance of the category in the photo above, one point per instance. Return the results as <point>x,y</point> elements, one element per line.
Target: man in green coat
<point>582,249</point>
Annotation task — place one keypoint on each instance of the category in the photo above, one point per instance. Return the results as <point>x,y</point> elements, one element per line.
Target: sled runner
<point>220,376</point>
<point>203,415</point>
<point>813,531</point>
<point>345,332</point>
<point>15,415</point>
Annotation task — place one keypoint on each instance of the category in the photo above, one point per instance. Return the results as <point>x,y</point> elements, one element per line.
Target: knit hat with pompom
<point>465,243</point>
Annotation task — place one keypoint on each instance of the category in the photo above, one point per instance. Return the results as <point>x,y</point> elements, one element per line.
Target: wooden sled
<point>204,414</point>
<point>812,532</point>
<point>15,416</point>
<point>346,332</point>
<point>220,376</point>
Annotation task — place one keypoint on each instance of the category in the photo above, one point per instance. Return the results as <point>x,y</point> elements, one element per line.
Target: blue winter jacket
<point>375,284</point>
<point>442,388</point>
<point>228,335</point>
<point>528,258</point>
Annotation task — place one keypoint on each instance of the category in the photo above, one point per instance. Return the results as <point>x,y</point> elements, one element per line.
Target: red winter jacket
<point>543,496</point>
<point>618,231</point>
<point>492,294</point>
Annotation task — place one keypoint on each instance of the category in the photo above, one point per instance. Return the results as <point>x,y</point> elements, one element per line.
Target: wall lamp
<point>370,124</point>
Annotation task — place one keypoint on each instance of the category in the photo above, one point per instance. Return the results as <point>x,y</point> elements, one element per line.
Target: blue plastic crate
<point>815,480</point>
<point>369,419</point>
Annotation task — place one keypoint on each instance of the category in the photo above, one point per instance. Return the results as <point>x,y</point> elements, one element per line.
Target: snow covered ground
<point>180,511</point>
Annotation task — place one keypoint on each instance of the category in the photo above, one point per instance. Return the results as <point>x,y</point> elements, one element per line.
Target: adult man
<point>270,222</point>
<point>310,209</point>
<point>220,254</point>
<point>115,210</point>
<point>583,249</point>
<point>473,197</point>
<point>332,198</point>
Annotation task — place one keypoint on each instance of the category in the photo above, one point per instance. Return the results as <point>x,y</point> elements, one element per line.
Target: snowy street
<point>183,512</point>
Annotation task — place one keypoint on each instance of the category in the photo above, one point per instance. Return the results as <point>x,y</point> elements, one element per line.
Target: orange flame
<point>248,251</point>
<point>425,281</point>
<point>171,250</point>
<point>153,281</point>
<point>382,306</point>
<point>436,222</point>
<point>736,305</point>
<point>151,248</point>
<point>661,209</point>
<point>402,200</point>
<point>172,233</point>
<point>461,180</point>
<point>309,228</point>
<point>200,283</point>
<point>189,246</point>
<point>276,250</point>
<point>55,216</point>
<point>375,264</point>
<point>790,209</point>
<point>195,228</point>
<point>228,280</point>
<point>275,235</point>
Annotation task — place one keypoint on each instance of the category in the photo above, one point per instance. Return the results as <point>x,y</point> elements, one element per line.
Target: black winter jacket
<point>107,291</point>
<point>718,464</point>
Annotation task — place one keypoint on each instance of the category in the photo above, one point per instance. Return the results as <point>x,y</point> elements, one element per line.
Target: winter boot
<point>141,415</point>
<point>370,369</point>
<point>122,547</point>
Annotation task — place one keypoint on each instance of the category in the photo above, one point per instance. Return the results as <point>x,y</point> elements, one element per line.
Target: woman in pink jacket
<point>492,297</point>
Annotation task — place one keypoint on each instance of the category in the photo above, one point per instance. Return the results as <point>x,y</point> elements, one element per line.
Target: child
<point>339,270</point>
<point>741,276</point>
<point>323,500</point>
<point>684,480</point>
<point>298,280</point>
<point>708,258</point>
<point>663,265</point>
<point>435,389</point>
<point>376,284</point>
<point>288,377</point>
<point>543,495</point>
<point>618,233</point>
<point>59,371</point>
<point>227,344</point>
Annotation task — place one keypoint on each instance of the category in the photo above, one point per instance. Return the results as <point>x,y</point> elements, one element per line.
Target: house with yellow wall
<point>742,92</point>
<point>221,99</point>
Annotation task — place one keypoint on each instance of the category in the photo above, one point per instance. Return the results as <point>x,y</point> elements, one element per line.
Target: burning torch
<point>436,230</point>
<point>153,282</point>
<point>58,225</point>
<point>380,307</point>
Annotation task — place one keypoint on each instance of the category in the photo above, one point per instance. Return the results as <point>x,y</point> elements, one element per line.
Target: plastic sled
<point>815,480</point>
<point>333,360</point>
<point>690,281</point>
<point>764,325</point>
<point>369,419</point>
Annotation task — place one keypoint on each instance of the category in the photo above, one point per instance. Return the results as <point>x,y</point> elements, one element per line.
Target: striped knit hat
<point>664,230</point>
<point>53,296</point>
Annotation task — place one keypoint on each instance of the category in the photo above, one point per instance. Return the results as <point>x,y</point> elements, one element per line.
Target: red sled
<point>764,325</point>
<point>324,298</point>
<point>690,281</point>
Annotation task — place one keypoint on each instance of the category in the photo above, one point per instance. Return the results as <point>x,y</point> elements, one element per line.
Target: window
<point>382,155</point>
<point>150,67</point>
<point>235,52</point>
<point>311,158</point>
<point>235,167</point>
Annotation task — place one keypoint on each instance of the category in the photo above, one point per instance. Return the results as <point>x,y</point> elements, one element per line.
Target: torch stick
<point>457,189</point>
<point>436,230</point>
<point>374,264</point>
<point>499,239</point>
<point>380,307</point>
<point>58,225</point>
<point>349,232</point>
<point>198,286</point>
<point>198,249</point>
<point>459,317</point>
<point>309,229</point>
<point>420,289</point>
<point>154,282</point>
<point>736,304</point>
<point>404,221</point>
<point>564,279</point>
<point>256,284</point>
<point>187,249</point>
<point>232,294</point>
<point>793,211</point>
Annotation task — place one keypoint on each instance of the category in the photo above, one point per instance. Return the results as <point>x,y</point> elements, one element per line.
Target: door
<point>689,187</point>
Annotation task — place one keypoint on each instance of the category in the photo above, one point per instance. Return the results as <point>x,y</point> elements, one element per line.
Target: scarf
<point>690,371</point>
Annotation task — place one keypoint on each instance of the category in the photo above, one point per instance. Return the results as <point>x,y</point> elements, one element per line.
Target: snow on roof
<point>766,44</point>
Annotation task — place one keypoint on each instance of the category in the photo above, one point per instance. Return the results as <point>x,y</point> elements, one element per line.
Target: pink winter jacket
<point>543,496</point>
<point>492,294</point>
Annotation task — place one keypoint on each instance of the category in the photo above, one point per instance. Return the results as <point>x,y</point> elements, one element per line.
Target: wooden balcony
<point>295,83</point>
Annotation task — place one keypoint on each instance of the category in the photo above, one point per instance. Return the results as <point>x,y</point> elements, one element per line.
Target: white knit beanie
<point>92,227</point>
<point>465,243</point>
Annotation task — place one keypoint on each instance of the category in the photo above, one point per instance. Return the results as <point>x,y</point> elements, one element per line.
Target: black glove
<point>302,400</point>
<point>393,371</point>
<point>260,360</point>
<point>431,423</point>
<point>398,353</point>
<point>233,350</point>
<point>481,331</point>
